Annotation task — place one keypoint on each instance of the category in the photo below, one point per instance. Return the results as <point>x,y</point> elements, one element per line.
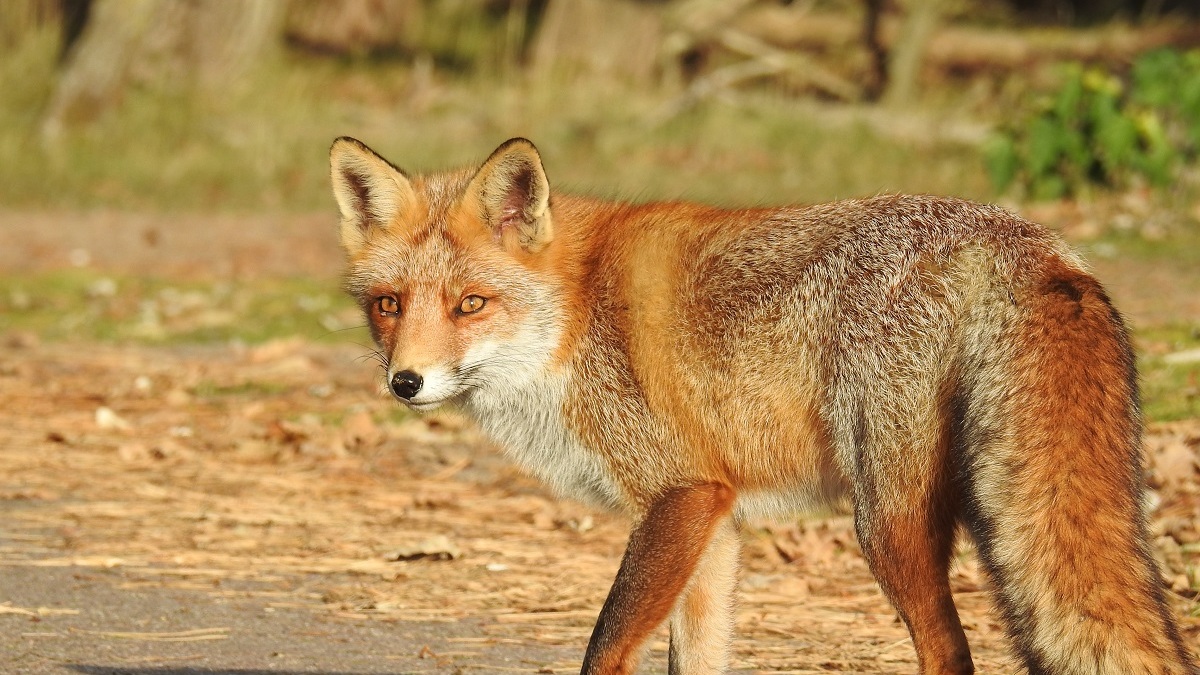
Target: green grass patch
<point>1178,245</point>
<point>1169,363</point>
<point>85,306</point>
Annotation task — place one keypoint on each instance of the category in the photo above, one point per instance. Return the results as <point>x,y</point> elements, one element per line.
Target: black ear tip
<point>344,143</point>
<point>347,140</point>
<point>515,143</point>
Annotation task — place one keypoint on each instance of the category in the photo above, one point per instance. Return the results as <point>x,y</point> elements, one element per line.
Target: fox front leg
<point>702,625</point>
<point>664,551</point>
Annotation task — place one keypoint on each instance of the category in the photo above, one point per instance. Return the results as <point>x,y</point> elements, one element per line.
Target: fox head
<point>449,270</point>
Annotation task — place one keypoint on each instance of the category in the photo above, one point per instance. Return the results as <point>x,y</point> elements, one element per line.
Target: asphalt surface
<point>99,622</point>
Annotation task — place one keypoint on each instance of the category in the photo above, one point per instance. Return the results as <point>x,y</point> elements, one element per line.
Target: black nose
<point>406,384</point>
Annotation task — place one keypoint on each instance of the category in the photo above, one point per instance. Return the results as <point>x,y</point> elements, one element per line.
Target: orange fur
<point>939,364</point>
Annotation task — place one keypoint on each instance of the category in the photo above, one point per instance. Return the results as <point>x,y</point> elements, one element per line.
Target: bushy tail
<point>1050,422</point>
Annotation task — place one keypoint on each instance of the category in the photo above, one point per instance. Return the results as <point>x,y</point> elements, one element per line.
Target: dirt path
<point>185,246</point>
<point>245,503</point>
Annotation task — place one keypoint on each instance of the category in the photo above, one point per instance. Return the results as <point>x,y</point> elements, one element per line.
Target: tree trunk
<point>904,69</point>
<point>616,39</point>
<point>877,72</point>
<point>205,45</point>
<point>94,72</point>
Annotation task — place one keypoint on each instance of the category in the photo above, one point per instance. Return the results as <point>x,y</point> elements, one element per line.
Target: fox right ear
<point>513,195</point>
<point>370,191</point>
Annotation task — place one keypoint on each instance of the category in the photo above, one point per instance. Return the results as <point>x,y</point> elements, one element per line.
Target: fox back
<point>930,361</point>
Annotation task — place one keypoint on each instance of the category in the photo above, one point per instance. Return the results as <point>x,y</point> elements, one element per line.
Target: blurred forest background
<point>156,153</point>
<point>208,104</point>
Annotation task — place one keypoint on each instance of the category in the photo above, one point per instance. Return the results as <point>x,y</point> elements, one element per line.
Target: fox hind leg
<point>702,623</point>
<point>906,521</point>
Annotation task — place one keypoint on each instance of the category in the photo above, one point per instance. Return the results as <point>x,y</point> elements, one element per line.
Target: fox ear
<point>370,192</point>
<point>513,194</point>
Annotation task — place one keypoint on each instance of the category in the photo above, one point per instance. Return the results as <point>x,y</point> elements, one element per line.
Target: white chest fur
<point>528,424</point>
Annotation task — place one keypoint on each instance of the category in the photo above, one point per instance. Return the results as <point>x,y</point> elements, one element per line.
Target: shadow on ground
<point>122,670</point>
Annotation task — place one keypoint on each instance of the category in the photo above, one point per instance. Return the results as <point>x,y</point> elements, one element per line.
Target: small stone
<point>106,418</point>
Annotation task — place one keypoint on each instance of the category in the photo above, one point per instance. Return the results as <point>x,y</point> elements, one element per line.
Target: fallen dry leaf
<point>1175,463</point>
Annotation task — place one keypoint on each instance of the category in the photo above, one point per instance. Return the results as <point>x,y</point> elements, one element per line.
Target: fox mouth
<point>425,406</point>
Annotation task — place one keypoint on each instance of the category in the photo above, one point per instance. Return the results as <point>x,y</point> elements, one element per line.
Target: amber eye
<point>388,305</point>
<point>471,304</point>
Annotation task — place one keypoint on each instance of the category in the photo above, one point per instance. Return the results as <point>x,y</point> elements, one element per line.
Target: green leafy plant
<point>1100,130</point>
<point>1169,80</point>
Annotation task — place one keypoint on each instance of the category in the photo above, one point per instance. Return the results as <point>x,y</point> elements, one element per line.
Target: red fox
<point>933,362</point>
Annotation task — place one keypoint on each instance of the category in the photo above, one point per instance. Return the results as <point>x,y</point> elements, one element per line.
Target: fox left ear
<point>371,193</point>
<point>513,194</point>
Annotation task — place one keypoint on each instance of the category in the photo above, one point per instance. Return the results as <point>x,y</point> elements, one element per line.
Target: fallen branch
<point>762,60</point>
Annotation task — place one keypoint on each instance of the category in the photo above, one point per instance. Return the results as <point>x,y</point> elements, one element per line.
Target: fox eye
<point>471,304</point>
<point>388,306</point>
